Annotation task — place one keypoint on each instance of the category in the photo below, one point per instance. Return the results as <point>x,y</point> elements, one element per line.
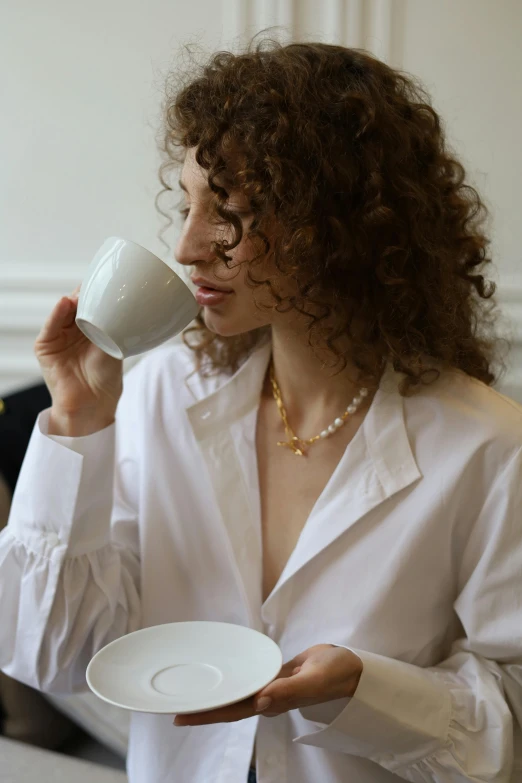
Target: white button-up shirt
<point>411,556</point>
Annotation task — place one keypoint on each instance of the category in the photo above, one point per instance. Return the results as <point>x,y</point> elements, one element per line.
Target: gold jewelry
<point>299,445</point>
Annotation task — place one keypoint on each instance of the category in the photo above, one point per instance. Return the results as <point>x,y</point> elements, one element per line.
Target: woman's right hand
<point>85,383</point>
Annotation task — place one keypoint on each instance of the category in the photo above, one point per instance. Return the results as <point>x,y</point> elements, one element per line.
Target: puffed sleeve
<point>456,721</point>
<point>69,556</point>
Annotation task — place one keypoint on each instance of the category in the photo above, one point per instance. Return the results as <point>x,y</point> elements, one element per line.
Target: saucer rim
<point>191,711</point>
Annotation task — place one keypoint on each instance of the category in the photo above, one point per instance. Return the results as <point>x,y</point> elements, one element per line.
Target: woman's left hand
<point>321,673</point>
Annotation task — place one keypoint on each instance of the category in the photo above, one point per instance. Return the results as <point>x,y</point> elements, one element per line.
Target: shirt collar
<point>384,425</point>
<point>387,437</point>
<point>232,399</point>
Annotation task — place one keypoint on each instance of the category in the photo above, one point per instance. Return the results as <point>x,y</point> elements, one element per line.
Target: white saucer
<point>184,667</point>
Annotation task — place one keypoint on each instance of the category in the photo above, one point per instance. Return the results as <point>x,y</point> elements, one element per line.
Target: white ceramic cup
<point>131,301</point>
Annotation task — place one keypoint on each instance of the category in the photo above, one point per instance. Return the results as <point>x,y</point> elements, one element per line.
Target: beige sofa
<point>22,763</point>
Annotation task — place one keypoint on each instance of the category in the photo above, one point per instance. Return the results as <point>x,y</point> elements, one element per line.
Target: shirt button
<point>52,539</point>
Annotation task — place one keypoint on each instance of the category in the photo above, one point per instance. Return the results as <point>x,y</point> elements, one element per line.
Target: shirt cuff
<point>63,495</point>
<point>324,713</point>
<point>399,712</point>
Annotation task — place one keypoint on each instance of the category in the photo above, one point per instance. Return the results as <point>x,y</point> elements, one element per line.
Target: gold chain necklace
<point>299,445</point>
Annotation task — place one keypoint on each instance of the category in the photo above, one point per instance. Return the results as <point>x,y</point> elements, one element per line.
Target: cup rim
<point>141,247</point>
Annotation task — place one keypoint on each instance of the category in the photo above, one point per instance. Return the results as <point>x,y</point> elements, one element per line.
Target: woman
<point>325,460</point>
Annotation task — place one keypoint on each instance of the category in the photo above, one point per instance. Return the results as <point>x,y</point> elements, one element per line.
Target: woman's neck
<point>312,395</point>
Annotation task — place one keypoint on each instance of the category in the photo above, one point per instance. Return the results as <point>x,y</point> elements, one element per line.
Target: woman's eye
<point>239,213</point>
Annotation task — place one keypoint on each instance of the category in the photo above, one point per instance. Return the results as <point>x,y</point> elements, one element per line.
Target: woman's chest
<point>385,584</point>
<point>290,487</point>
<point>299,560</point>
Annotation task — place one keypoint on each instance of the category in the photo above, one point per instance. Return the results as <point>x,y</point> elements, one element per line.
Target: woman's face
<point>229,306</point>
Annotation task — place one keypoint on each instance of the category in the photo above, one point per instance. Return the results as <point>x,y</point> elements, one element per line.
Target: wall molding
<point>509,297</point>
<point>509,288</point>
<point>39,276</point>
<point>358,23</point>
<point>379,33</point>
<point>28,292</point>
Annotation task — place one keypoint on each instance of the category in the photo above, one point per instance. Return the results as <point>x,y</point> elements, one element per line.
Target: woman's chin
<point>227,326</point>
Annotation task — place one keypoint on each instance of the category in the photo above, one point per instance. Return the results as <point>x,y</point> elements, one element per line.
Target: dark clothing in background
<point>18,414</point>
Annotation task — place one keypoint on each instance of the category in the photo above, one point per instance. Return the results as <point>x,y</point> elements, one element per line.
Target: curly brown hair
<point>376,225</point>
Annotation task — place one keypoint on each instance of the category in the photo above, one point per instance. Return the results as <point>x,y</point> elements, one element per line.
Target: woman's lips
<point>208,297</point>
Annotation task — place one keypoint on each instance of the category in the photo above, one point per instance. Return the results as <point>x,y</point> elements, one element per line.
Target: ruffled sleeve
<point>69,556</point>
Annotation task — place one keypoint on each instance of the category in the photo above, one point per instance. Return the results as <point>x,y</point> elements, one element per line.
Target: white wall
<point>468,54</point>
<point>79,109</point>
<point>81,101</point>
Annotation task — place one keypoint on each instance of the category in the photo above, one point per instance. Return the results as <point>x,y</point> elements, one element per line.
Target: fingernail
<point>263,704</point>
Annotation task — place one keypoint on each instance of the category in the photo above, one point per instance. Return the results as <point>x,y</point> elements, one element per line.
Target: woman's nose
<point>195,242</point>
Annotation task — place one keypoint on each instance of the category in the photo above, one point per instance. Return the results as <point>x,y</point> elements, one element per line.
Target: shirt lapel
<point>224,425</point>
<point>377,464</point>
